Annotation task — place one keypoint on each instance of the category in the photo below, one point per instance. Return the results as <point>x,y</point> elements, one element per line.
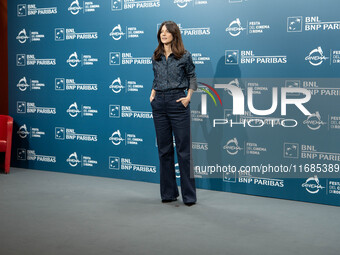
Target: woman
<point>174,72</point>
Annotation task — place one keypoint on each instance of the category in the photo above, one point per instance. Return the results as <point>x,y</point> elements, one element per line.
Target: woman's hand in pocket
<point>184,100</point>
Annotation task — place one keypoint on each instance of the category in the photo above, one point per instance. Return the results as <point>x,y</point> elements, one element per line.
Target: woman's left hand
<point>184,100</point>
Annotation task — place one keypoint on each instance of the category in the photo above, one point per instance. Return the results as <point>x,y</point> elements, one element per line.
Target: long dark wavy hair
<point>177,45</point>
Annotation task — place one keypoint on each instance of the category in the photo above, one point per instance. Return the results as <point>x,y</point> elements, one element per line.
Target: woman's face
<point>166,36</point>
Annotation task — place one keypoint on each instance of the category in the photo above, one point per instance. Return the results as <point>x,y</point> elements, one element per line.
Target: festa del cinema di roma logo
<point>316,57</point>
<point>312,185</point>
<point>117,33</point>
<point>239,104</point>
<point>73,60</point>
<point>88,6</point>
<point>75,7</point>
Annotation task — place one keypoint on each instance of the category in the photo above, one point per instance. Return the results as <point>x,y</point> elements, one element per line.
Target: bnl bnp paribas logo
<point>117,111</point>
<point>76,7</point>
<point>116,163</point>
<point>191,31</point>
<point>126,58</point>
<point>23,154</point>
<point>239,105</point>
<point>118,5</point>
<point>31,9</point>
<point>30,107</point>
<point>311,23</point>
<point>62,34</point>
<point>62,84</point>
<point>32,60</point>
<point>236,57</point>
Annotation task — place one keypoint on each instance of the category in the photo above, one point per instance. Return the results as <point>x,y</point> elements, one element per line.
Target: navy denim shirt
<point>174,73</point>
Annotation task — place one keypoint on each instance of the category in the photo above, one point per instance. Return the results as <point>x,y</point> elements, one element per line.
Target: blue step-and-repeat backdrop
<point>265,119</point>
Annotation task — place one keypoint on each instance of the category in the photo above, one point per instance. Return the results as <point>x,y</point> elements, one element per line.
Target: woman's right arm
<point>153,91</point>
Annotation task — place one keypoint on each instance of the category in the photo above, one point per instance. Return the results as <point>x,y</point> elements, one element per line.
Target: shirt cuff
<point>193,83</point>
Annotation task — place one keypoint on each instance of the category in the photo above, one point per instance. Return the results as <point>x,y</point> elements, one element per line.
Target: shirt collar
<point>171,54</point>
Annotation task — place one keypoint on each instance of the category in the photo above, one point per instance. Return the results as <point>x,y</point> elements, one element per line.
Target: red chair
<point>6,128</point>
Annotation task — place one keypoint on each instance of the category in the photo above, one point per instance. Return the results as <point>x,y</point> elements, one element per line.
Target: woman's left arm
<point>191,75</point>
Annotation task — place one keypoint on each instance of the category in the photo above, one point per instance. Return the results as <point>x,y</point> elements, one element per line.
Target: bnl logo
<point>114,58</point>
<point>60,133</point>
<point>114,163</point>
<point>294,24</point>
<point>21,107</point>
<point>116,5</point>
<point>59,84</point>
<point>291,150</point>
<point>21,154</point>
<point>21,60</point>
<point>231,57</point>
<point>114,111</point>
<point>21,10</point>
<point>59,34</point>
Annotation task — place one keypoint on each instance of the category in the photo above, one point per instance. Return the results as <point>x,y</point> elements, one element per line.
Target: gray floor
<point>55,213</point>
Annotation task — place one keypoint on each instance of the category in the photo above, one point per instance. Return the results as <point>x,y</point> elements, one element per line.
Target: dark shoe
<point>190,203</point>
<point>169,200</point>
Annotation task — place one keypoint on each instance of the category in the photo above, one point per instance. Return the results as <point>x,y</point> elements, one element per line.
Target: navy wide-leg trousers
<point>173,118</point>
